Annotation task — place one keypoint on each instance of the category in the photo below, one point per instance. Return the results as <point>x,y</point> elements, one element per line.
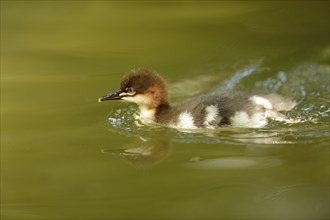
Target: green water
<point>66,156</point>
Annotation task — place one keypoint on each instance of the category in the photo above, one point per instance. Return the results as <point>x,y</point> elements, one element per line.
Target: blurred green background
<point>62,152</point>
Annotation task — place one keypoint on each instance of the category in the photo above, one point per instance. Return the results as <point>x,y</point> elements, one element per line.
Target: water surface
<point>66,156</point>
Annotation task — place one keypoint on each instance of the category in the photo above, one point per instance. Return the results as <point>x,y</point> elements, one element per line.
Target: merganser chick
<point>221,108</point>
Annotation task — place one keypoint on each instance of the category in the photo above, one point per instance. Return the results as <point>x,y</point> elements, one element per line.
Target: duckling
<point>213,110</point>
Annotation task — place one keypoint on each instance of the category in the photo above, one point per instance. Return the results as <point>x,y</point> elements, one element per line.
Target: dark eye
<point>130,90</point>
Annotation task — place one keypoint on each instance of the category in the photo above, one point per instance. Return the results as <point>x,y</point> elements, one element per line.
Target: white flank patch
<point>185,121</point>
<point>259,120</point>
<point>262,102</point>
<point>211,113</point>
<point>242,119</point>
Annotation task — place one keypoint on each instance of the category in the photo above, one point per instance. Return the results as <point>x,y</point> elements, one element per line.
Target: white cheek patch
<point>185,120</point>
<point>242,119</point>
<point>211,113</point>
<point>147,115</point>
<point>262,102</point>
<point>138,99</point>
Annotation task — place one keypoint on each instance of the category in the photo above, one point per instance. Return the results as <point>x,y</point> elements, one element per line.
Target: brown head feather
<point>148,83</point>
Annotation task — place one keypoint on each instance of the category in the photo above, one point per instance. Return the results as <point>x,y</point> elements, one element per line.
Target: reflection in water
<point>233,163</point>
<point>157,146</point>
<point>143,152</point>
